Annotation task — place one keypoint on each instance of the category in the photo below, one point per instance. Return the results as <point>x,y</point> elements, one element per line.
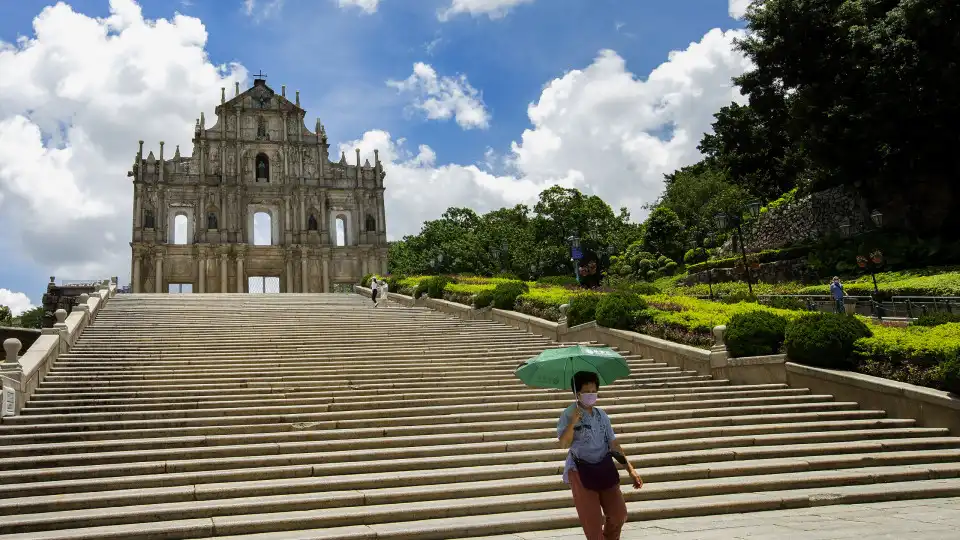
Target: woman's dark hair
<point>581,378</point>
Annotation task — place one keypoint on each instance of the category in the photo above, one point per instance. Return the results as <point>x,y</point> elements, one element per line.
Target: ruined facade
<point>258,158</point>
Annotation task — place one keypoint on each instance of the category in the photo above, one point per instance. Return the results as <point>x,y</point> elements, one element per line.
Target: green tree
<point>32,318</point>
<point>5,316</point>
<point>698,193</point>
<point>873,104</point>
<point>664,234</point>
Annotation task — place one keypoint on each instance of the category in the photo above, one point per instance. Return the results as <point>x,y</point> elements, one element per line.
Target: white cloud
<point>442,98</point>
<point>262,10</point>
<point>495,9</point>
<point>738,8</point>
<point>600,129</point>
<point>367,6</point>
<point>16,301</point>
<point>74,100</point>
<point>77,96</point>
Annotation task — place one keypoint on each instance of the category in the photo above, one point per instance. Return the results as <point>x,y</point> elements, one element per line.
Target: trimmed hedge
<point>620,311</point>
<point>583,308</point>
<point>365,282</point>
<point>824,339</point>
<point>505,294</point>
<point>760,257</point>
<point>483,299</point>
<point>937,318</point>
<point>755,333</point>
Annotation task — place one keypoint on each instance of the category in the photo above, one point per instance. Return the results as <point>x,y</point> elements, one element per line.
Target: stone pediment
<point>261,97</point>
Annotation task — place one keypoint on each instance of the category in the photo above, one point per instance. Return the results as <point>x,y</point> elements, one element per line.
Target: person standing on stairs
<point>373,290</point>
<point>586,431</point>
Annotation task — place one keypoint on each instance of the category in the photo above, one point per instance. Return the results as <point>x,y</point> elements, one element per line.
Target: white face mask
<point>588,400</point>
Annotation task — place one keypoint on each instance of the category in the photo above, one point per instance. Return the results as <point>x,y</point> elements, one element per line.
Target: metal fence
<point>907,307</point>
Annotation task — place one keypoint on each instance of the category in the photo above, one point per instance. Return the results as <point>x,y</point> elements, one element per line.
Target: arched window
<point>312,223</point>
<point>371,224</point>
<point>148,221</point>
<point>262,229</point>
<point>212,221</point>
<point>341,231</point>
<point>263,168</point>
<point>180,229</point>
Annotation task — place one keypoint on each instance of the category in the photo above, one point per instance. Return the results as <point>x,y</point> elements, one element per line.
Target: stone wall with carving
<point>803,220</point>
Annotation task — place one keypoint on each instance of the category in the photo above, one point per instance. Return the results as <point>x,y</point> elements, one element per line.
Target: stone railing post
<point>12,348</point>
<point>563,326</point>
<point>61,328</point>
<point>11,375</point>
<point>719,354</point>
<point>82,304</point>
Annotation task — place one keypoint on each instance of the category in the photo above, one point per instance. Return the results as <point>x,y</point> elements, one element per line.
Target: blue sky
<point>590,128</point>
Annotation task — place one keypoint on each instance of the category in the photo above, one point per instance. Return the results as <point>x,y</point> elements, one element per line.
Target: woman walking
<point>589,470</point>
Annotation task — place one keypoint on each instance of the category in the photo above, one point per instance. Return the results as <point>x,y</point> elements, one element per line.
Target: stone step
<point>471,388</point>
<point>73,495</point>
<point>273,513</point>
<point>334,413</point>
<point>321,421</point>
<point>338,395</point>
<point>375,402</point>
<point>307,430</point>
<point>433,457</point>
<point>541,520</point>
<point>194,447</point>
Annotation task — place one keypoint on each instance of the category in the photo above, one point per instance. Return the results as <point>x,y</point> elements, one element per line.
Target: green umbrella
<point>554,368</point>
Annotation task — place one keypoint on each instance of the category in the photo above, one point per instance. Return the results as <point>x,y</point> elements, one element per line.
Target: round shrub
<point>824,339</point>
<point>670,268</point>
<point>505,294</point>
<point>947,375</point>
<point>393,282</point>
<point>365,282</point>
<point>483,299</point>
<point>755,333</point>
<point>937,318</point>
<point>695,255</point>
<point>619,310</point>
<point>583,308</point>
<point>436,285</point>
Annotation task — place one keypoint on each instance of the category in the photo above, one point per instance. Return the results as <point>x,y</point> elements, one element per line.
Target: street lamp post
<point>723,220</point>
<point>871,263</point>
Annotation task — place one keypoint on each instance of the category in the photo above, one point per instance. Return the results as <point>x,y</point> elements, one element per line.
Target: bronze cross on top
<point>261,75</point>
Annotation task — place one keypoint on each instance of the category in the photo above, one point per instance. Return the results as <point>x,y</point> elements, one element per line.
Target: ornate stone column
<point>241,254</point>
<point>326,271</point>
<point>137,255</point>
<point>202,269</point>
<point>304,274</point>
<point>224,260</point>
<point>288,270</point>
<point>159,273</point>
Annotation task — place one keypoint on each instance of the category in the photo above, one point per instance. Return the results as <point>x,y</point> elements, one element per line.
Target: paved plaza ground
<point>925,519</point>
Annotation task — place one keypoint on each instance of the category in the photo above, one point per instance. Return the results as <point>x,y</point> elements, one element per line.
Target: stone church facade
<point>258,158</point>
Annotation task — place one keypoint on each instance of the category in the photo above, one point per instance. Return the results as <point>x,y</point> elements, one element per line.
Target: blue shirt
<point>836,289</point>
<point>591,437</point>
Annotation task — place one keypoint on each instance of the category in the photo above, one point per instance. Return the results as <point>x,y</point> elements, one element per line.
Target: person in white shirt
<point>384,291</point>
<point>373,289</point>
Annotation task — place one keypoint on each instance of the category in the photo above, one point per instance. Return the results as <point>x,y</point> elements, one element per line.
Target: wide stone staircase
<point>320,416</point>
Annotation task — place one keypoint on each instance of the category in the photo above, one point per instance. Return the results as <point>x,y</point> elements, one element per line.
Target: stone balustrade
<point>21,375</point>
